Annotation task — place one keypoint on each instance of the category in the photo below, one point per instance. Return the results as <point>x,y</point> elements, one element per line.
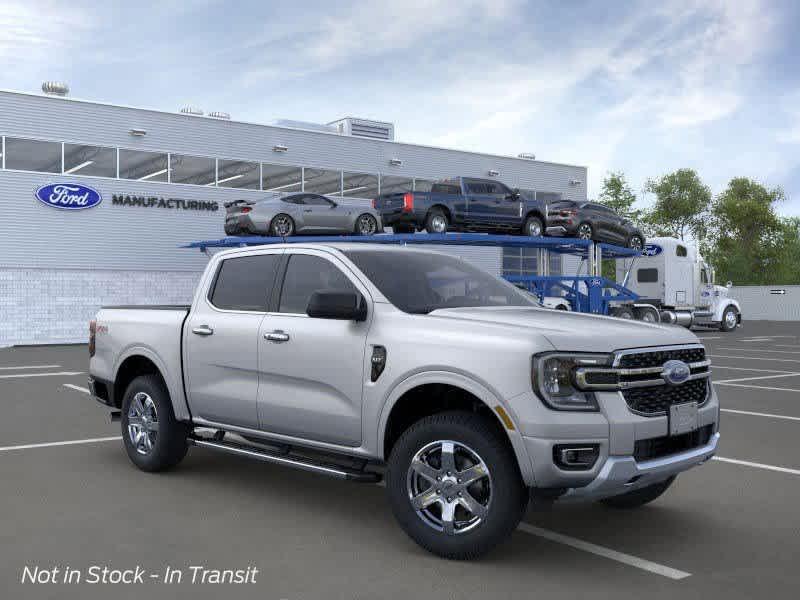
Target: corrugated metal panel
<point>770,303</point>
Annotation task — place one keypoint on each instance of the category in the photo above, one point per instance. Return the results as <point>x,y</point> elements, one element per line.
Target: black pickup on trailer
<point>464,204</point>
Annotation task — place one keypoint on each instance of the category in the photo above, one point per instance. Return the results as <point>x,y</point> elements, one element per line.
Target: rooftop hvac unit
<point>192,110</point>
<point>376,130</point>
<point>527,155</point>
<point>217,114</point>
<point>55,88</point>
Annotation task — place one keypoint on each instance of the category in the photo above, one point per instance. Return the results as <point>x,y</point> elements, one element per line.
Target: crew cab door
<point>311,370</point>
<point>221,340</point>
<point>480,203</point>
<point>504,206</point>
<point>705,289</point>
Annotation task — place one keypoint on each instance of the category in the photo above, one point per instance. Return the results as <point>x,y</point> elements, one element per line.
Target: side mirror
<point>729,285</point>
<point>345,306</point>
<point>514,195</point>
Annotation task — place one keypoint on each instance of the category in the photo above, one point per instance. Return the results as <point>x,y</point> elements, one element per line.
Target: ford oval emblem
<point>675,372</point>
<point>652,250</point>
<point>68,196</point>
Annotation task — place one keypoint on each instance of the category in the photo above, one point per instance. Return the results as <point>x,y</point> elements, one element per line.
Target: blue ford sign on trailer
<point>68,196</point>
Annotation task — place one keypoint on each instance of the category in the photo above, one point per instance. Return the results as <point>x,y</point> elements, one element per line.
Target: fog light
<point>576,458</point>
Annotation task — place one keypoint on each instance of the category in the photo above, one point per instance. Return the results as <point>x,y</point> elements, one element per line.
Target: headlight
<point>553,378</point>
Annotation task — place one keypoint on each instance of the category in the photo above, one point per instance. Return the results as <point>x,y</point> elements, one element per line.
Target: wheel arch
<point>723,305</point>
<point>443,208</point>
<point>138,361</point>
<point>411,400</point>
<point>535,212</point>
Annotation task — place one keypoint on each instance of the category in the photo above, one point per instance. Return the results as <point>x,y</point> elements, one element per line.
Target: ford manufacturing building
<point>162,179</point>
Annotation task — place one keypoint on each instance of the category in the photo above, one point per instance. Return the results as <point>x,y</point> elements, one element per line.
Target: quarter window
<point>680,251</point>
<point>33,155</point>
<point>245,283</point>
<point>306,274</point>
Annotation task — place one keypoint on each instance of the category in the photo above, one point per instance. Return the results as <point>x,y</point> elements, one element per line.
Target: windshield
<point>419,282</point>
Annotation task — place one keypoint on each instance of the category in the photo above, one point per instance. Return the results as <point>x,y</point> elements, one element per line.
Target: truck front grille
<point>666,445</point>
<point>643,359</point>
<point>653,401</point>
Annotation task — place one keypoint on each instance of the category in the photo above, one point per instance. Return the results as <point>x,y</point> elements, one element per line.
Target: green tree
<point>618,195</point>
<point>749,243</point>
<point>681,205</point>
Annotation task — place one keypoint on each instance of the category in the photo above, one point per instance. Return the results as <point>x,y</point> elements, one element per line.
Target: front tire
<point>635,242</point>
<point>454,485</point>
<point>584,231</point>
<point>533,227</point>
<point>623,312</point>
<point>639,497</point>
<point>153,438</point>
<point>730,319</point>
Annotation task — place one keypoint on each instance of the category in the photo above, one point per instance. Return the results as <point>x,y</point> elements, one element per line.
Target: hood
<point>578,332</point>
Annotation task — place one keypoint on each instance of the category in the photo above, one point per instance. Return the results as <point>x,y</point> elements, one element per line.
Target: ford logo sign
<point>652,250</point>
<point>675,372</point>
<point>68,196</point>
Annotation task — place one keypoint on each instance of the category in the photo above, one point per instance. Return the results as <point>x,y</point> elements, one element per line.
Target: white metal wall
<point>768,303</point>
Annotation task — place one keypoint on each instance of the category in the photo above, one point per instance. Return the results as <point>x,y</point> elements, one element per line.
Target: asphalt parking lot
<point>71,499</point>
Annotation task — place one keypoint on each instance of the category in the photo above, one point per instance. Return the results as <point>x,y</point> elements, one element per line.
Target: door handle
<point>203,330</point>
<point>277,336</point>
<point>308,210</point>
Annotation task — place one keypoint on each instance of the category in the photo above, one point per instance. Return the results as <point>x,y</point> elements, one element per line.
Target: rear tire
<point>497,494</point>
<point>639,497</point>
<point>153,438</point>
<point>635,242</point>
<point>366,224</point>
<point>730,319</point>
<point>282,225</point>
<point>623,312</point>
<point>648,315</point>
<point>437,221</point>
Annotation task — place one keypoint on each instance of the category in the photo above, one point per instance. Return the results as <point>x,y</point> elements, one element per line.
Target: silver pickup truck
<point>365,362</point>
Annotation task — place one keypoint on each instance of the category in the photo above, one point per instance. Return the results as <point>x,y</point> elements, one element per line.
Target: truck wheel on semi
<point>674,282</point>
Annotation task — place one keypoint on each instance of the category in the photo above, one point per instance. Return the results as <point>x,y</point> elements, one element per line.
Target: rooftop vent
<point>527,155</point>
<point>55,88</point>
<point>192,110</point>
<point>216,114</point>
<point>376,130</point>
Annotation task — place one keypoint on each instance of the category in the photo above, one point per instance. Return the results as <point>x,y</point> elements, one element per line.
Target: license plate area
<point>683,418</point>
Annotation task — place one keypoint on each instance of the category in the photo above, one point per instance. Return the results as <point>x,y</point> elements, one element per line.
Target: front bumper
<point>622,474</point>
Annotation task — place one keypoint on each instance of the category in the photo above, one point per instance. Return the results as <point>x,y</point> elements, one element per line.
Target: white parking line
<point>786,345</point>
<point>62,373</point>
<point>760,377</point>
<point>628,559</point>
<point>30,367</point>
<point>77,388</point>
<point>747,463</point>
<point>763,350</point>
<point>792,360</point>
<point>714,367</point>
<point>757,387</point>
<point>759,414</point>
<point>64,443</point>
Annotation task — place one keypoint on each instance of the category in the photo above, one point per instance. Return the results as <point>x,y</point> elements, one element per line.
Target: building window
<point>144,166</point>
<point>360,185</point>
<point>238,174</point>
<point>524,261</point>
<point>33,155</point>
<point>396,185</point>
<point>323,181</point>
<point>280,178</point>
<point>195,170</point>
<point>95,161</point>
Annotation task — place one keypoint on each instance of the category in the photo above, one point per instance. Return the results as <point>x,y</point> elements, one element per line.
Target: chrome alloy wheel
<point>367,225</point>
<point>283,226</point>
<point>730,319</point>
<point>439,224</point>
<point>142,423</point>
<point>585,231</point>
<point>449,486</point>
<point>636,243</point>
<point>534,228</point>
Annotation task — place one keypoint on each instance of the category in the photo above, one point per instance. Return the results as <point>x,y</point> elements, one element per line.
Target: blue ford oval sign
<point>652,250</point>
<point>676,372</point>
<point>68,196</point>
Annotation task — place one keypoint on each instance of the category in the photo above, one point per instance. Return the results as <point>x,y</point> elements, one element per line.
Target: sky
<point>639,87</point>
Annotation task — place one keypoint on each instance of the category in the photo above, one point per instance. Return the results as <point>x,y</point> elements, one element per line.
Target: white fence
<point>768,302</point>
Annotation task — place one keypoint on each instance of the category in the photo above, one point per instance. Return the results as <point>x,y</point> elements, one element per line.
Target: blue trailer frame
<point>591,293</point>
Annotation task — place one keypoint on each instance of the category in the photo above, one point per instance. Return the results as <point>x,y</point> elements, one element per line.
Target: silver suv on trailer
<point>362,361</point>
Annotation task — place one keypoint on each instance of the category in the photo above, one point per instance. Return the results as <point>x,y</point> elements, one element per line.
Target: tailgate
<point>389,203</point>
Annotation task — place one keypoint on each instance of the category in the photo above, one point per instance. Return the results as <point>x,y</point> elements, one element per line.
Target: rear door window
<point>306,274</point>
<point>244,283</point>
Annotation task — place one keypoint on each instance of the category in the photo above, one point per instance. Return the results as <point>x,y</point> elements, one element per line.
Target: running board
<point>304,464</point>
